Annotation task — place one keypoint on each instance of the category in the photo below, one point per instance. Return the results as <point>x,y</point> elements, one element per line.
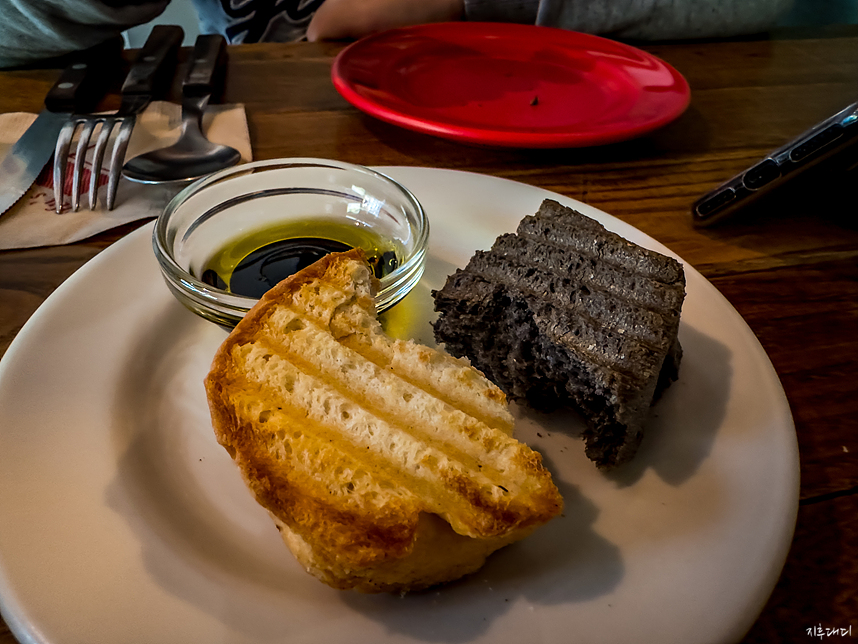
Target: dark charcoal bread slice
<point>565,313</point>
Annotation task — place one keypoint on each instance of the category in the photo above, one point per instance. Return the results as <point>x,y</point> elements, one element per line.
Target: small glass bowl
<point>230,205</point>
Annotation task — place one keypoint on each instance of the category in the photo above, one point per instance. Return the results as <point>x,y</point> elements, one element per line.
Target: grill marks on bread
<point>346,436</point>
<point>564,312</point>
<point>608,300</point>
<point>369,413</point>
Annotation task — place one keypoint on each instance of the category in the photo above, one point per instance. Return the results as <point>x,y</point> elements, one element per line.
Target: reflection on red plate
<point>510,85</point>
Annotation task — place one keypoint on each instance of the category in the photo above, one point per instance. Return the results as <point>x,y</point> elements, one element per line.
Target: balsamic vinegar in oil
<point>252,265</point>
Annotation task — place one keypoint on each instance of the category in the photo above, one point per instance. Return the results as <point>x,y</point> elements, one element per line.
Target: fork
<point>155,59</point>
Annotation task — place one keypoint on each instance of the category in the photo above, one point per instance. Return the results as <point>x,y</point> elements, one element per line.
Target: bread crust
<point>428,502</point>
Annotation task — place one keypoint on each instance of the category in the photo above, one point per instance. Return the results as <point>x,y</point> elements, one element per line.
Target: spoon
<point>193,155</point>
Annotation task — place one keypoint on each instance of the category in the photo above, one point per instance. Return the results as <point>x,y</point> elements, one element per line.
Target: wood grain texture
<point>791,271</point>
<point>817,585</point>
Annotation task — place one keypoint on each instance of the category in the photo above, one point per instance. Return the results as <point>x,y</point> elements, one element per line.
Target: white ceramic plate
<point>122,520</point>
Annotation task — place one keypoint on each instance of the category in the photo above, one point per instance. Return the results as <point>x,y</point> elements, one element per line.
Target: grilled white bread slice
<point>386,465</point>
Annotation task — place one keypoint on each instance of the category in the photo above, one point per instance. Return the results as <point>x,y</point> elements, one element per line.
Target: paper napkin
<point>33,221</point>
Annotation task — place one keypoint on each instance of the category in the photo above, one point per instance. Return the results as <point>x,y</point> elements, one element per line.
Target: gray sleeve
<point>523,11</point>
<point>33,30</point>
<point>643,19</point>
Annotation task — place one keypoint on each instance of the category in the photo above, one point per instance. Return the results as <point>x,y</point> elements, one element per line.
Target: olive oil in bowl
<point>225,240</point>
<point>253,264</point>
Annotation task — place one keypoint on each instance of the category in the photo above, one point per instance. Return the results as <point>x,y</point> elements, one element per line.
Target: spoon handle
<point>208,59</point>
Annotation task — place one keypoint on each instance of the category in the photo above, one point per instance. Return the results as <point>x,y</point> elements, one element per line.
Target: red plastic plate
<point>510,85</point>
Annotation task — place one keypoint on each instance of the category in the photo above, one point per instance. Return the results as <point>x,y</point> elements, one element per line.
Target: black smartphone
<point>814,161</point>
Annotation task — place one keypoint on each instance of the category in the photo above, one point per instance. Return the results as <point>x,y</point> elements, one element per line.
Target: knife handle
<point>206,62</point>
<point>82,84</point>
<point>156,56</point>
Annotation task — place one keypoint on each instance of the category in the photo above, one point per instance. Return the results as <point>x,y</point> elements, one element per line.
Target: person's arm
<point>35,30</point>
<point>345,19</point>
<point>636,19</point>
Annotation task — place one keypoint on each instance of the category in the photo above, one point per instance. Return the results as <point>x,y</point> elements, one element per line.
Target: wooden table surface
<point>792,274</point>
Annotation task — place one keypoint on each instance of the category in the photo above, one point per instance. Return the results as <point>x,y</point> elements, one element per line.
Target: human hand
<point>352,19</point>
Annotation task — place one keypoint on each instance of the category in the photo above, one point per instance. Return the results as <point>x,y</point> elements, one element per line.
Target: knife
<point>80,86</point>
